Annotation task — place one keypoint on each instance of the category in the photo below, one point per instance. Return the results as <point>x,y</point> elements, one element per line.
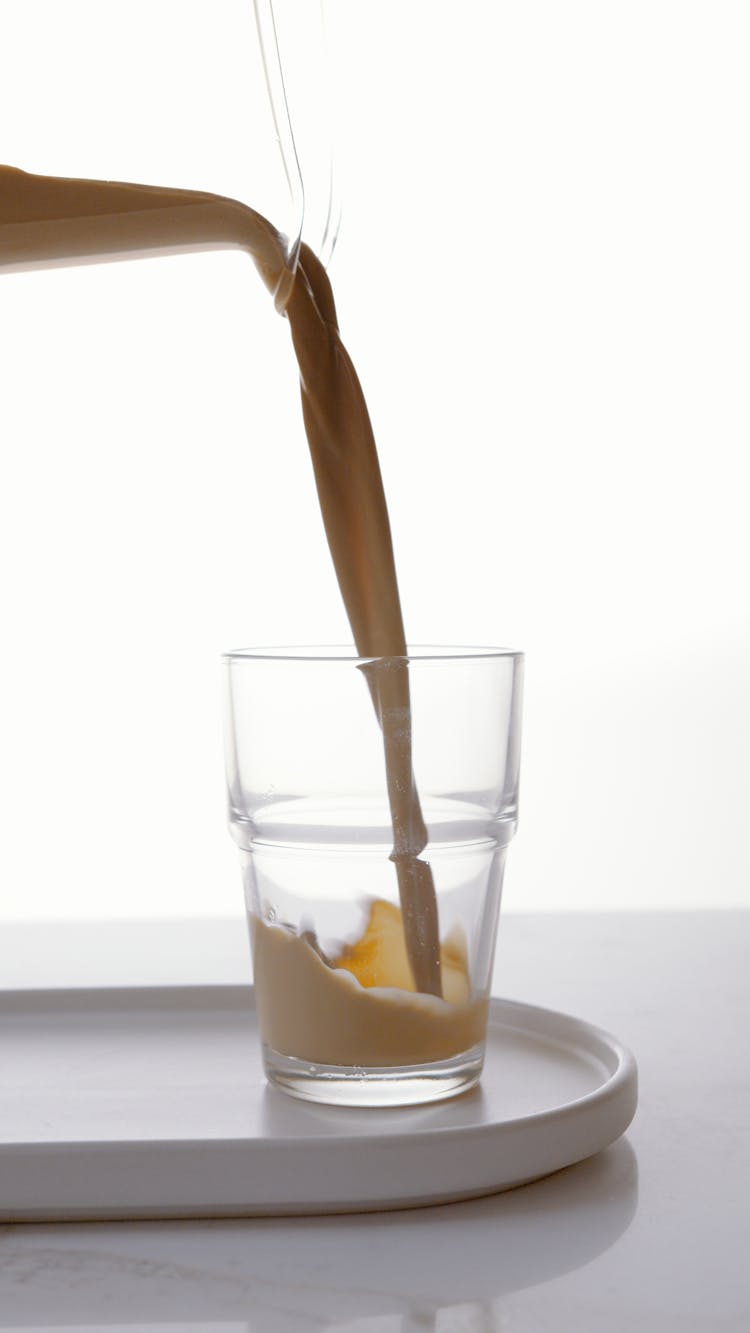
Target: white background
<point>543,277</point>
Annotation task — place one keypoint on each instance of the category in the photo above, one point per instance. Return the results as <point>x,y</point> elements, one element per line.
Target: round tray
<point>160,1109</point>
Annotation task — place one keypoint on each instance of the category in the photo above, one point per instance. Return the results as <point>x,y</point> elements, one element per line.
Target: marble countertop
<point>648,1235</point>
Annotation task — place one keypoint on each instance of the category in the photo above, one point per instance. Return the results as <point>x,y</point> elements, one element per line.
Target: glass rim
<point>348,655</point>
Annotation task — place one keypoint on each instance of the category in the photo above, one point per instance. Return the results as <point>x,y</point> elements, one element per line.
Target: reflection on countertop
<point>407,1270</point>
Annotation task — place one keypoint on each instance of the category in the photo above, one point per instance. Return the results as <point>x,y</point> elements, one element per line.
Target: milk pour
<point>55,220</point>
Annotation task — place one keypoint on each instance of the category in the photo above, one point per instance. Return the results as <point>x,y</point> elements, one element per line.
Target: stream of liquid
<point>56,220</point>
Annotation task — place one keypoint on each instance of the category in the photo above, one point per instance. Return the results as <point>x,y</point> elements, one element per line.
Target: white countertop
<point>650,1235</point>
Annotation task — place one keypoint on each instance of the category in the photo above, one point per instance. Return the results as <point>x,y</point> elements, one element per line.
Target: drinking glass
<point>339,1014</point>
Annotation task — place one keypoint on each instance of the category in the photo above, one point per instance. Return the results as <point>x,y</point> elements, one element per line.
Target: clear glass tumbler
<point>312,812</point>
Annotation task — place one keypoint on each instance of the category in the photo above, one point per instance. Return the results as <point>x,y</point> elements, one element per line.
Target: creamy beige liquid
<point>53,220</point>
<point>322,1014</point>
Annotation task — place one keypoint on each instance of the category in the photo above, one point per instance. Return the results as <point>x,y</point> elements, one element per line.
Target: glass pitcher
<point>148,423</point>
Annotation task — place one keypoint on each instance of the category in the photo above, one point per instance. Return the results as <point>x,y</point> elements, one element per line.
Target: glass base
<point>350,1085</point>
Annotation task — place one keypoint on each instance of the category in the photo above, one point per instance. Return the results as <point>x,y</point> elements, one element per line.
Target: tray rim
<point>622,1070</point>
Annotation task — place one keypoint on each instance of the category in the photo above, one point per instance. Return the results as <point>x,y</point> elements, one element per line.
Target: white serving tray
<point>152,1103</point>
